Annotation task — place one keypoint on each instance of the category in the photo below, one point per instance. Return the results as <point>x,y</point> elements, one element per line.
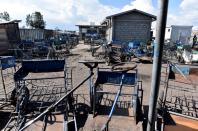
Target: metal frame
<point>180,97</point>
<point>65,98</point>
<point>119,80</point>
<point>40,94</point>
<point>55,104</point>
<point>177,97</point>
<point>7,70</point>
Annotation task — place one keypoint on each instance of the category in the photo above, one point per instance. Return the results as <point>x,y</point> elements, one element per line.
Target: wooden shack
<point>9,36</point>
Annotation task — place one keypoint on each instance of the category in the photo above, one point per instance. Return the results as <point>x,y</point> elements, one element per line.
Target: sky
<point>65,14</point>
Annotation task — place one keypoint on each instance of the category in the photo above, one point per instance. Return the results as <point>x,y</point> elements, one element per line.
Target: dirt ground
<point>144,75</point>
<point>80,72</point>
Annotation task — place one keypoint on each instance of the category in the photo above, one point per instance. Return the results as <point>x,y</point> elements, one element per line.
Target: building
<point>9,36</point>
<point>195,32</point>
<point>178,33</point>
<point>31,34</point>
<point>35,34</point>
<point>168,33</point>
<point>129,25</point>
<point>91,29</point>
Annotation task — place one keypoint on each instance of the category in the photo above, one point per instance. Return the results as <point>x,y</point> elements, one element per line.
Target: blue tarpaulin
<point>7,62</point>
<point>134,44</point>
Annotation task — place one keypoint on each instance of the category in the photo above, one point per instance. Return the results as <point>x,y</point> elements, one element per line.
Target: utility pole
<point>156,73</point>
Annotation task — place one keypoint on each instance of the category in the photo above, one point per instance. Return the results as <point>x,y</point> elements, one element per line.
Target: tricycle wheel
<point>122,58</point>
<point>107,61</point>
<point>180,59</point>
<point>128,58</point>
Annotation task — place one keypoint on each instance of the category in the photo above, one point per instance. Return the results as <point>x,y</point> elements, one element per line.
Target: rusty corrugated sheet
<point>31,34</point>
<point>4,44</point>
<point>9,36</point>
<point>35,34</point>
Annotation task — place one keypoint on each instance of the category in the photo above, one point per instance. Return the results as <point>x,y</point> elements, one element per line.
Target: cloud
<point>190,5</point>
<point>144,5</point>
<point>59,13</point>
<point>68,13</point>
<point>187,15</point>
<point>65,14</point>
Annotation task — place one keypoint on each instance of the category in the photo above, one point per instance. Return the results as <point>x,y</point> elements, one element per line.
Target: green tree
<point>35,20</point>
<point>5,16</point>
<point>28,20</point>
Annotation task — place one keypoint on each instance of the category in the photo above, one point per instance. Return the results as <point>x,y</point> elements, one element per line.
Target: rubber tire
<point>107,61</point>
<point>180,59</point>
<point>128,58</point>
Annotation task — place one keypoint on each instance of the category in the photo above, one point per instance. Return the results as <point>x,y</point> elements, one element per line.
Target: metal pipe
<point>156,74</point>
<point>90,88</point>
<point>105,126</point>
<point>44,123</point>
<point>116,99</point>
<point>49,78</point>
<point>55,104</point>
<point>4,129</point>
<point>168,70</point>
<point>75,123</point>
<point>65,76</point>
<point>65,120</point>
<point>2,79</point>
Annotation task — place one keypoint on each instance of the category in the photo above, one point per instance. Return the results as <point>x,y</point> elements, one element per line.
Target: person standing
<point>51,52</point>
<point>194,41</point>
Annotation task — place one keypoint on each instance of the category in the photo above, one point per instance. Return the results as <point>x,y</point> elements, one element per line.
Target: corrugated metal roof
<point>131,11</point>
<point>91,25</point>
<point>7,22</point>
